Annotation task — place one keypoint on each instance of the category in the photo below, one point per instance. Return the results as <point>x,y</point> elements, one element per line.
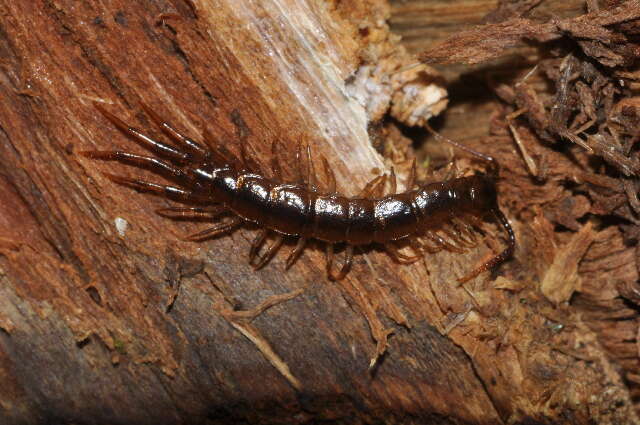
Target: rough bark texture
<point>107,316</point>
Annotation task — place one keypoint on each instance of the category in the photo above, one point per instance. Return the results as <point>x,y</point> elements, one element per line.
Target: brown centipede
<point>429,217</point>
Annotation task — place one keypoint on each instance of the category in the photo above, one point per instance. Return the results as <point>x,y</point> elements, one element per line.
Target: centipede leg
<point>154,164</point>
<point>219,153</point>
<point>311,172</point>
<point>271,251</point>
<point>183,141</point>
<point>456,236</point>
<point>217,230</point>
<point>466,231</point>
<point>417,246</point>
<point>438,240</point>
<point>331,177</point>
<point>399,257</point>
<point>256,244</point>
<point>393,181</point>
<point>296,252</point>
<point>193,213</point>
<point>299,171</point>
<point>346,266</point>
<point>166,151</point>
<point>412,175</point>
<point>275,165</point>
<point>370,187</point>
<point>247,160</point>
<point>378,190</point>
<point>428,248</point>
<point>213,145</point>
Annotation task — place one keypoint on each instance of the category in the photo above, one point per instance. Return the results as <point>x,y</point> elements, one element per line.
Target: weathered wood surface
<point>107,316</point>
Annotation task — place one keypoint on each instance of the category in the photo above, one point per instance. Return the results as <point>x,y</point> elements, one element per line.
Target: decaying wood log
<point>108,316</point>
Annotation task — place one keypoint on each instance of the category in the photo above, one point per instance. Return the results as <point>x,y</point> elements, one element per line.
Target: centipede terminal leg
<point>150,163</point>
<point>171,192</point>
<point>166,151</point>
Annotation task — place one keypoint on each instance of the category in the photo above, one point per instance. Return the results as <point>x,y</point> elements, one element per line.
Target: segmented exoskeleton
<point>430,217</point>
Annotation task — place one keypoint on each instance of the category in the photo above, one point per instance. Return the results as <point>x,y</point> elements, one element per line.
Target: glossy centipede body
<point>230,189</point>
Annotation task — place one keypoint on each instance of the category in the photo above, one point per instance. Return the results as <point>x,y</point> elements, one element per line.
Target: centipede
<point>211,183</point>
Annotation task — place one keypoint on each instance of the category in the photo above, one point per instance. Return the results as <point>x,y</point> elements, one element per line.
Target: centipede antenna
<point>511,240</point>
<point>493,168</point>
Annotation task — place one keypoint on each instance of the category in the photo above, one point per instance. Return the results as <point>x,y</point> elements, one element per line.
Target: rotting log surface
<point>107,316</point>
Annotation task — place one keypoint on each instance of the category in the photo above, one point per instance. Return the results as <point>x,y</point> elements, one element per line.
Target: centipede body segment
<point>231,190</point>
